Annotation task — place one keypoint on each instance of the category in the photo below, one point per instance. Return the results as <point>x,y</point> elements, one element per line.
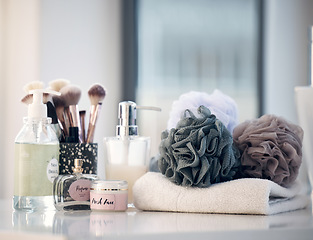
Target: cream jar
<point>109,195</point>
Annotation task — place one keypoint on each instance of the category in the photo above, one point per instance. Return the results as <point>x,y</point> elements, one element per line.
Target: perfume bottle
<point>127,153</point>
<point>36,158</point>
<point>72,192</point>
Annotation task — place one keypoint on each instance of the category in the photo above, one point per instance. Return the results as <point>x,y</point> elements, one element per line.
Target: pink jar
<point>109,195</point>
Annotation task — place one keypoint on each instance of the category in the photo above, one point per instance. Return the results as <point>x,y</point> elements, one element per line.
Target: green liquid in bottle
<point>36,166</point>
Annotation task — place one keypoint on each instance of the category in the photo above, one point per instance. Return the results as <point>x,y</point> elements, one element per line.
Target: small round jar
<point>109,195</point>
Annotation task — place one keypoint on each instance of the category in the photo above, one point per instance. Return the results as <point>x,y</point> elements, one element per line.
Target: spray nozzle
<point>127,112</point>
<point>37,108</point>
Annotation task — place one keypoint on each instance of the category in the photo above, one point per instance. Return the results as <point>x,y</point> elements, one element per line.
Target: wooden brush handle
<point>82,124</point>
<point>74,119</point>
<point>94,112</point>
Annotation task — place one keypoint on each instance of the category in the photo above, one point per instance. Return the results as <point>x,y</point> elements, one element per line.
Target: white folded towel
<point>154,192</point>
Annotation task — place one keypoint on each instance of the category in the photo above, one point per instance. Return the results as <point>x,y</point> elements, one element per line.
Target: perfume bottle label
<point>52,169</point>
<point>31,163</point>
<point>80,190</point>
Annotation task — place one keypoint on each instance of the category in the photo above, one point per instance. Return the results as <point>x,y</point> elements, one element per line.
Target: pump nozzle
<point>127,112</point>
<point>149,108</point>
<point>37,108</point>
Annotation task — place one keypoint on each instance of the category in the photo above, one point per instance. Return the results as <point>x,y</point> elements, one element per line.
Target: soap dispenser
<point>36,158</point>
<point>127,154</point>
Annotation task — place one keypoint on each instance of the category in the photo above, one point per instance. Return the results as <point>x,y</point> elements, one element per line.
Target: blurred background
<point>151,52</point>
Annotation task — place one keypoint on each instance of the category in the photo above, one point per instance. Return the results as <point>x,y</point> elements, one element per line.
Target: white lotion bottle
<point>127,154</point>
<point>304,105</point>
<point>36,158</point>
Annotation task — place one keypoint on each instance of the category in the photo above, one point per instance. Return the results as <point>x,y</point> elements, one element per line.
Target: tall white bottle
<point>36,158</point>
<point>127,153</point>
<point>304,104</point>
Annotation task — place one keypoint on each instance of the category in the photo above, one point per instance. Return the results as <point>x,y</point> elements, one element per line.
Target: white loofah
<point>221,105</point>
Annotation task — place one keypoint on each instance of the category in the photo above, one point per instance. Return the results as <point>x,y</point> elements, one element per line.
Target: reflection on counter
<point>295,219</point>
<point>33,221</point>
<point>92,224</point>
<point>105,223</point>
<point>73,224</point>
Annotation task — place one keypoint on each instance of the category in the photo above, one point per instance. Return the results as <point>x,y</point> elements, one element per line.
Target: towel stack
<point>154,192</point>
<point>210,166</point>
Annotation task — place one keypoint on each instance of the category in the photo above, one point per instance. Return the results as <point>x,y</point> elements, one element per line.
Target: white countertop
<point>134,224</point>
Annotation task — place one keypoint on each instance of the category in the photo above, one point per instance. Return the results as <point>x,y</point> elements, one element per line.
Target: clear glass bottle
<point>127,154</point>
<point>72,191</point>
<point>36,159</point>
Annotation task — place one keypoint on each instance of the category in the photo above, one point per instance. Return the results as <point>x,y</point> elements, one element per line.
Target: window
<point>196,45</point>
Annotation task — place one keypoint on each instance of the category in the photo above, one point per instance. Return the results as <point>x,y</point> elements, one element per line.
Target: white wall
<point>286,53</point>
<point>20,65</point>
<point>44,40</point>
<point>81,41</point>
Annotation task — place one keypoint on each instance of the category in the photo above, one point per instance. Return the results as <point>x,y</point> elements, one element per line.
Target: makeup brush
<point>59,105</point>
<point>96,95</point>
<point>59,83</point>
<point>55,123</point>
<point>51,112</point>
<point>28,99</point>
<point>47,99</point>
<point>56,85</point>
<point>82,115</point>
<point>33,85</point>
<point>71,95</point>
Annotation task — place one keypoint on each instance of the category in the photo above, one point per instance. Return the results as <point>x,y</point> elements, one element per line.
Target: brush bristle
<point>33,85</point>
<point>46,97</point>
<point>28,99</point>
<point>71,94</point>
<point>96,93</point>
<point>57,84</point>
<point>59,109</point>
<point>58,102</point>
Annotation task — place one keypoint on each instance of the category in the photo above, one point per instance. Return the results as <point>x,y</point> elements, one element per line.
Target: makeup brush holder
<point>86,151</point>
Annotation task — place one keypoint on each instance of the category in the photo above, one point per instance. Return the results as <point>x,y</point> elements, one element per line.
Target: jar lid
<point>109,185</point>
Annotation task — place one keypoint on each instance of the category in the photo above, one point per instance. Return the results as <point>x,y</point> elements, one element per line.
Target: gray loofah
<point>199,151</point>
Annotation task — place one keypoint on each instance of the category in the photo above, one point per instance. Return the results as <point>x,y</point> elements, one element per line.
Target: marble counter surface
<point>134,224</point>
